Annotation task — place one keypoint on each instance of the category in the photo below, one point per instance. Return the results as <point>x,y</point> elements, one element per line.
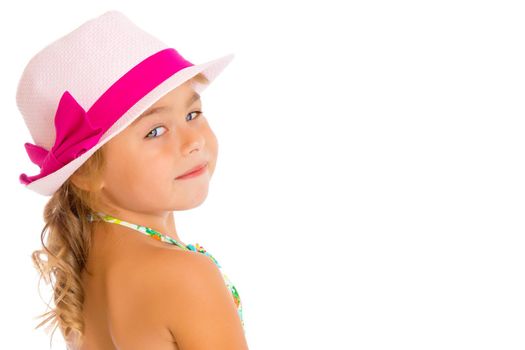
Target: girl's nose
<point>189,140</point>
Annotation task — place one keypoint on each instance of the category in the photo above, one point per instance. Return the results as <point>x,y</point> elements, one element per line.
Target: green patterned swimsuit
<point>164,238</point>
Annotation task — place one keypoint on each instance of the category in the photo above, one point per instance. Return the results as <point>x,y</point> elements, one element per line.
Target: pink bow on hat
<point>75,134</point>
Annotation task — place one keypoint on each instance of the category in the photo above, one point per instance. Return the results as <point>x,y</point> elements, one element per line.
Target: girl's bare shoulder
<point>181,293</point>
<point>194,302</point>
<point>148,271</point>
<point>137,296</point>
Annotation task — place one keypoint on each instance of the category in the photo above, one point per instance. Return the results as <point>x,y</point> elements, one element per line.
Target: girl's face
<point>144,160</point>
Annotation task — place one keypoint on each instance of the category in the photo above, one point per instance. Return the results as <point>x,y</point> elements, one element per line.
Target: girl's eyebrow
<point>150,111</point>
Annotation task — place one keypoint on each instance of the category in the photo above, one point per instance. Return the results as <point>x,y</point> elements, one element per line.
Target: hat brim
<point>212,69</point>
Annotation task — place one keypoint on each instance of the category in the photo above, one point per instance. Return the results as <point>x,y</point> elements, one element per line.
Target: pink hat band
<point>77,130</point>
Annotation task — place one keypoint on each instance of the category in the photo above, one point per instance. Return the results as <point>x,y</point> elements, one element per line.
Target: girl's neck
<point>163,224</point>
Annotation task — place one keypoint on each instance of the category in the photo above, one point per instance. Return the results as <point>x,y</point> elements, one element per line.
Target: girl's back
<point>117,313</point>
<point>146,294</point>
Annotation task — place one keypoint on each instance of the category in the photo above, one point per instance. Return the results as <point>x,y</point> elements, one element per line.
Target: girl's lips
<point>195,173</point>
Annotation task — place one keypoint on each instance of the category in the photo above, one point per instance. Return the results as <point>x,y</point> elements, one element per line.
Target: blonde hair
<point>68,245</point>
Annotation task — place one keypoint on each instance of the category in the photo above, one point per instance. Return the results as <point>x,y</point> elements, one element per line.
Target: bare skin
<point>139,186</point>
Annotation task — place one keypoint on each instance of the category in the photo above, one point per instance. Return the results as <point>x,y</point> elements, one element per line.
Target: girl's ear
<point>77,180</point>
<point>86,184</point>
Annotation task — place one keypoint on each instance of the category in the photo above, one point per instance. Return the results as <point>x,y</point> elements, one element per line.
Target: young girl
<point>121,142</point>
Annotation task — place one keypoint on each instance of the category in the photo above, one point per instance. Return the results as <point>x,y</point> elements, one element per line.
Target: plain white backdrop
<point>369,190</point>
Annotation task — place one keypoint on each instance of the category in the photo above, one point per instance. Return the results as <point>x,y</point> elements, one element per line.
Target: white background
<point>369,191</point>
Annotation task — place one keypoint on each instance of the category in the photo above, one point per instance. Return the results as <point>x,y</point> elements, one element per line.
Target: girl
<point>122,276</point>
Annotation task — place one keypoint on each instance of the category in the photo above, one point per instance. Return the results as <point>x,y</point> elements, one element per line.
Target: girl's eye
<point>198,113</point>
<point>154,130</point>
<point>147,136</point>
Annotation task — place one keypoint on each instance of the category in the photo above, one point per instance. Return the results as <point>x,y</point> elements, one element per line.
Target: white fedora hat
<point>89,85</point>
